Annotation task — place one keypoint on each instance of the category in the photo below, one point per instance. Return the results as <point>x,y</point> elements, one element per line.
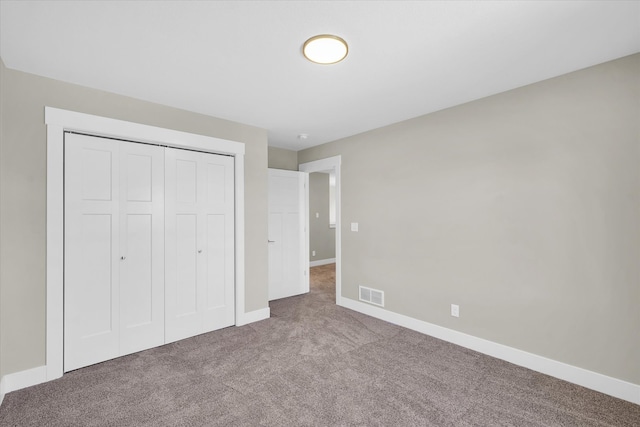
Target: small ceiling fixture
<point>325,49</point>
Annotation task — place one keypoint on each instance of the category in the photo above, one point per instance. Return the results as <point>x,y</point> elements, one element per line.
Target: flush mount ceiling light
<point>325,49</point>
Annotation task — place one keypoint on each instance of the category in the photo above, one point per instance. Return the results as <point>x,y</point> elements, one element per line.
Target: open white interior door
<point>288,248</point>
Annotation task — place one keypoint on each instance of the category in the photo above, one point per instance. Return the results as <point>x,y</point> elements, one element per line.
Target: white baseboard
<point>322,262</point>
<point>254,316</point>
<point>22,379</point>
<point>589,379</point>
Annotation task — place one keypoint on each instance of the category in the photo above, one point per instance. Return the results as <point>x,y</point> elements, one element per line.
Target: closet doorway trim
<point>60,121</point>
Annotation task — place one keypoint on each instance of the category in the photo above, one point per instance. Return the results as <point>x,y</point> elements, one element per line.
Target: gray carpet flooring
<point>311,364</point>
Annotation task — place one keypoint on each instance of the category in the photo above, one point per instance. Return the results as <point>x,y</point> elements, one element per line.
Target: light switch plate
<point>354,226</point>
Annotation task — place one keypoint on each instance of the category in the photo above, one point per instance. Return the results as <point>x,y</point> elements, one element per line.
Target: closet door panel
<point>114,249</point>
<point>92,300</point>
<point>218,295</point>
<point>218,213</point>
<point>93,165</point>
<point>142,247</point>
<point>199,257</point>
<point>183,315</point>
<point>186,182</point>
<point>139,175</point>
<point>91,292</point>
<point>137,292</point>
<point>215,259</point>
<point>216,180</point>
<point>186,265</point>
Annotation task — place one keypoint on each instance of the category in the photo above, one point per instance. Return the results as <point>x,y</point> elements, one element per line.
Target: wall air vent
<point>372,296</point>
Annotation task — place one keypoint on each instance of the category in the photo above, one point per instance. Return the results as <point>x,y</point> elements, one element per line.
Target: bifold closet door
<point>199,252</point>
<point>114,249</point>
<point>142,247</point>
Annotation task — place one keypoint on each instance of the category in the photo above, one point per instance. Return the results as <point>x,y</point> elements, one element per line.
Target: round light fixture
<point>325,49</point>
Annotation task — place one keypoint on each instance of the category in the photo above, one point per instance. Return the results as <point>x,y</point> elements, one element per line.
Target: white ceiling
<point>242,61</point>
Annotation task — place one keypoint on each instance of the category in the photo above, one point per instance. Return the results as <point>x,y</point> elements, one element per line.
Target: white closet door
<point>114,231</point>
<point>92,249</point>
<point>199,252</point>
<point>142,246</point>
<point>287,247</point>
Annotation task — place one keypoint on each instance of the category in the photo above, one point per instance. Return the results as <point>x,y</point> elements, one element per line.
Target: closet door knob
<point>199,251</point>
<point>122,258</point>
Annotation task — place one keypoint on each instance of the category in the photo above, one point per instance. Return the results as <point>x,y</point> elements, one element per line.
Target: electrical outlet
<point>317,214</point>
<point>354,226</point>
<point>313,253</point>
<point>455,310</point>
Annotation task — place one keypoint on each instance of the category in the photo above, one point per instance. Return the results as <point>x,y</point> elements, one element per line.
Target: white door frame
<point>322,165</point>
<point>58,121</point>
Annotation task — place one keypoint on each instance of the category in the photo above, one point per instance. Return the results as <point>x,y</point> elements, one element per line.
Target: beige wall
<point>23,198</point>
<point>279,158</point>
<point>523,208</point>
<point>322,239</point>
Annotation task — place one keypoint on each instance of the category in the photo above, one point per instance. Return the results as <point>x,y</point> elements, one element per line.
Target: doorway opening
<point>330,168</point>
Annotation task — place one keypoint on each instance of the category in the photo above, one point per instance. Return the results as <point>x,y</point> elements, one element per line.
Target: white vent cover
<point>372,296</point>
